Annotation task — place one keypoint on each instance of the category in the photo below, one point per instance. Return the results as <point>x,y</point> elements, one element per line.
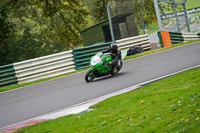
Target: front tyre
<point>90,76</point>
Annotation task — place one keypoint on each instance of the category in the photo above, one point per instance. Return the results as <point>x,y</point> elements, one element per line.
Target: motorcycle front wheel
<point>90,76</point>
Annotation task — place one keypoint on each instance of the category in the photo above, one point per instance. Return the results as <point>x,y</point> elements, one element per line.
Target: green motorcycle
<point>99,67</point>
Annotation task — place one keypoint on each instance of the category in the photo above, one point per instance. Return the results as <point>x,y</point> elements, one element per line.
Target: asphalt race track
<point>35,100</point>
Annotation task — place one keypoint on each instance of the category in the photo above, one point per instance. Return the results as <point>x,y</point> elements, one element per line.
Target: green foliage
<point>6,31</point>
<point>25,48</point>
<point>6,27</point>
<point>145,9</point>
<point>22,49</point>
<point>141,8</point>
<point>99,11</point>
<point>55,25</point>
<point>35,28</point>
<point>58,21</point>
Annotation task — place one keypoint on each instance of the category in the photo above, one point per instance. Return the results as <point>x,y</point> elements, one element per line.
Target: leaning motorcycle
<point>99,66</point>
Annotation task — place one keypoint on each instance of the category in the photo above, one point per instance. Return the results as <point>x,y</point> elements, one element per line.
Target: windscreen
<point>95,60</point>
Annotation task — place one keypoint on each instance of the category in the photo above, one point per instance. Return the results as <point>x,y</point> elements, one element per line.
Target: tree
<point>144,8</point>
<point>58,21</point>
<point>34,28</point>
<point>7,28</point>
<point>99,11</point>
<point>6,31</point>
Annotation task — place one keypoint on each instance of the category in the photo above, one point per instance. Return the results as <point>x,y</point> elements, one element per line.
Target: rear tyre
<point>90,76</point>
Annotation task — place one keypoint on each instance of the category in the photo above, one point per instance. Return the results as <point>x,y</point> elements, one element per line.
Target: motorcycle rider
<point>116,55</point>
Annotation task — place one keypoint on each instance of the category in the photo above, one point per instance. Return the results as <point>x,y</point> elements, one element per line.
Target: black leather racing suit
<point>115,56</point>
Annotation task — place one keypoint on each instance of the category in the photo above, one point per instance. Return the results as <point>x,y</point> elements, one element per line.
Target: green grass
<point>154,26</point>
<point>194,15</point>
<point>169,105</point>
<point>14,86</point>
<point>192,4</point>
<point>189,5</point>
<point>197,30</point>
<point>195,21</point>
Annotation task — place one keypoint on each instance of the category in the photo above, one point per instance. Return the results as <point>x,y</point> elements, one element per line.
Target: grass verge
<point>14,86</point>
<point>168,105</point>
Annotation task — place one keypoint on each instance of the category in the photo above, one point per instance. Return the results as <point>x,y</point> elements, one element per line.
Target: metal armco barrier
<point>190,36</point>
<point>82,55</point>
<point>177,37</point>
<point>61,63</point>
<point>7,75</point>
<point>43,67</point>
<point>160,38</point>
<point>142,40</point>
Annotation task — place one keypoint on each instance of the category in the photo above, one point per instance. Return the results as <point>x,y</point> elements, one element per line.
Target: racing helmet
<point>113,48</point>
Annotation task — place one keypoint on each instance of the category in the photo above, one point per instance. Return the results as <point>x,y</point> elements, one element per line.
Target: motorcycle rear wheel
<point>90,76</point>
